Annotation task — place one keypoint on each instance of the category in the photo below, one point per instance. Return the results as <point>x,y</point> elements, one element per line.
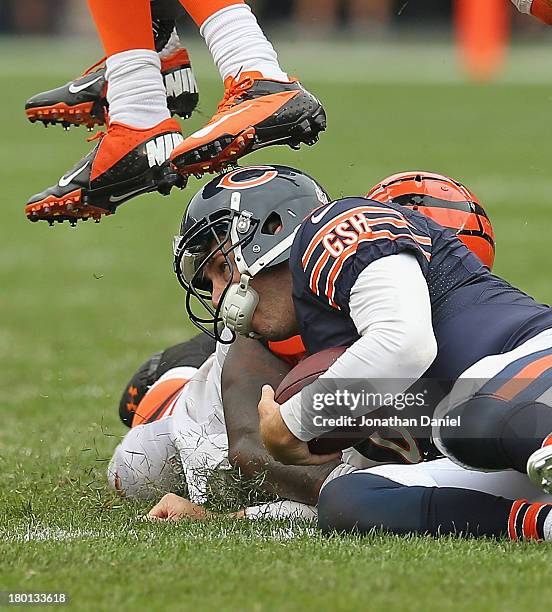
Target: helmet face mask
<point>247,219</point>
<point>194,251</point>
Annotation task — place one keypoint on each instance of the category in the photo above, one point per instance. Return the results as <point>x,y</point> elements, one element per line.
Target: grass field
<point>80,308</point>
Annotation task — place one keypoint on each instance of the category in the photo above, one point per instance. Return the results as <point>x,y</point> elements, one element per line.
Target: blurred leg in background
<point>36,16</point>
<point>369,15</point>
<point>322,17</point>
<point>316,16</point>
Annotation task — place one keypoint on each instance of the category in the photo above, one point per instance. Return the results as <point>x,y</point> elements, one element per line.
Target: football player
<point>178,437</point>
<point>171,445</point>
<point>143,464</point>
<point>402,292</point>
<point>184,445</point>
<point>261,106</point>
<point>139,406</point>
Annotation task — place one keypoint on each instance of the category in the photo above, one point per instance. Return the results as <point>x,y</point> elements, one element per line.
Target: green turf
<point>80,308</point>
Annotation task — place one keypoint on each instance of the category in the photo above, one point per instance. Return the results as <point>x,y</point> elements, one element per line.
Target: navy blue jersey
<point>475,314</point>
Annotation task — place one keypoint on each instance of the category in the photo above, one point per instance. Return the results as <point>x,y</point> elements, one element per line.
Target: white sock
<point>136,94</point>
<point>238,44</point>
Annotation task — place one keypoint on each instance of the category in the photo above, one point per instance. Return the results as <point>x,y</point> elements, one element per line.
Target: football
<point>302,375</point>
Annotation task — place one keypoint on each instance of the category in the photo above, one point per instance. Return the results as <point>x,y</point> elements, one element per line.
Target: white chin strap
<point>239,306</point>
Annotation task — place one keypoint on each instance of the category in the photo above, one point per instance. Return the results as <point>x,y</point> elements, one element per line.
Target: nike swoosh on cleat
<point>115,199</point>
<point>65,180</point>
<point>209,128</point>
<point>74,89</point>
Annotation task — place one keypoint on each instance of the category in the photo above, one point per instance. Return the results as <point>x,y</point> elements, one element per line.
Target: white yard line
<point>59,534</point>
<point>46,534</point>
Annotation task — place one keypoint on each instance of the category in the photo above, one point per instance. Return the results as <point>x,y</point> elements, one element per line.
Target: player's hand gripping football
<point>278,439</point>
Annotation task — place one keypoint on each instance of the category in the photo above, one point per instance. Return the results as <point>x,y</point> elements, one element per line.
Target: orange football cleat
<point>254,113</point>
<point>125,163</point>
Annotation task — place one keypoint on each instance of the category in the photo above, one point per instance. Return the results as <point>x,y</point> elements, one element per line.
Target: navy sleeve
<point>337,242</point>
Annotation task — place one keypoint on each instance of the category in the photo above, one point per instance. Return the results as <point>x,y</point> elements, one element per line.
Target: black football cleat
<point>83,100</point>
<point>124,164</point>
<point>254,113</point>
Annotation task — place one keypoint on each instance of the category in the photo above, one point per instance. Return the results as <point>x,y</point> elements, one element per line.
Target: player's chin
<point>268,329</point>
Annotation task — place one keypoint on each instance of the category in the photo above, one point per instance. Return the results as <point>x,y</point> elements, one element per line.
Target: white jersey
<point>190,438</point>
<point>197,424</point>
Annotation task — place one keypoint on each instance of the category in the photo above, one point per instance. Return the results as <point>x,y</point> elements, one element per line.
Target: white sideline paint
<point>55,534</point>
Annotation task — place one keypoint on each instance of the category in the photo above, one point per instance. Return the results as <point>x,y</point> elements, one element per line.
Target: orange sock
<point>543,10</point>
<point>123,24</point>
<point>201,10</point>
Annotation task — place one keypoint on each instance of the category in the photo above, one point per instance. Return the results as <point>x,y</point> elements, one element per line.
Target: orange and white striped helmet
<point>447,202</point>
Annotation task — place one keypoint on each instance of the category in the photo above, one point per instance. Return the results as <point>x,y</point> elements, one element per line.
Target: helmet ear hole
<point>272,225</point>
